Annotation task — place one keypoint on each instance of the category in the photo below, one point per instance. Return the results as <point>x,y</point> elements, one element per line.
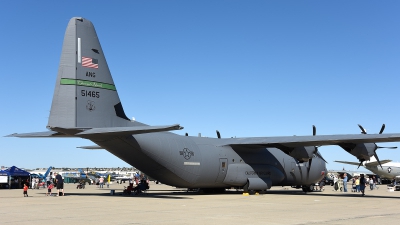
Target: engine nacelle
<point>303,154</point>
<point>364,151</point>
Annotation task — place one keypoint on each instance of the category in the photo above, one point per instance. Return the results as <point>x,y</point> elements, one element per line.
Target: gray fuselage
<point>200,162</point>
<point>389,172</point>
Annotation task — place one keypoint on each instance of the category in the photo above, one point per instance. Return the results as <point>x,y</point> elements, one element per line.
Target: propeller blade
<point>319,155</point>
<point>314,130</point>
<point>309,167</point>
<point>363,131</point>
<point>218,134</point>
<point>377,159</point>
<point>360,164</point>
<point>383,128</point>
<point>387,147</point>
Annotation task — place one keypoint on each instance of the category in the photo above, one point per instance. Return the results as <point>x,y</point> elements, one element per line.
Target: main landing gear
<point>308,188</point>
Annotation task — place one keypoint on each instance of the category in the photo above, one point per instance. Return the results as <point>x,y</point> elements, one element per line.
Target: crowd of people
<point>359,183</point>
<point>137,185</point>
<point>57,182</point>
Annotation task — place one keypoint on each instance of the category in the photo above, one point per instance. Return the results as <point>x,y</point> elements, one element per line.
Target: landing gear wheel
<point>309,188</point>
<point>246,189</point>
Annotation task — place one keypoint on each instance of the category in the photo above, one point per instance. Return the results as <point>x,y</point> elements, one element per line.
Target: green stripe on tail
<point>87,83</point>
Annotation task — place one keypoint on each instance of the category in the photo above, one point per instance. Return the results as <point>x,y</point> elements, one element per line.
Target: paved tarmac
<point>168,205</point>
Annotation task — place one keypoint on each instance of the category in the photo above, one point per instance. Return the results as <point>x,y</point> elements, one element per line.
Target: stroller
<point>128,190</point>
<point>354,188</point>
<point>81,185</point>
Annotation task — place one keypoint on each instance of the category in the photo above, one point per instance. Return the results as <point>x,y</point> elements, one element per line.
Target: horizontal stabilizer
<point>346,162</point>
<point>375,163</point>
<point>92,147</point>
<point>43,134</point>
<point>129,130</point>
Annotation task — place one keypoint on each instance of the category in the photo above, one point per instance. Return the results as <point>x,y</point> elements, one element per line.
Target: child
<point>51,186</point>
<point>25,190</point>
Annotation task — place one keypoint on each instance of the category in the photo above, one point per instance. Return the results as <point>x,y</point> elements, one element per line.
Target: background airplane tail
<point>85,94</point>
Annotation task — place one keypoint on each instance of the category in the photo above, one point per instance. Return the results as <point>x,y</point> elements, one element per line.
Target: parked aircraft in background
<point>121,179</point>
<point>82,173</point>
<point>42,176</point>
<point>387,169</point>
<point>78,177</point>
<point>86,105</point>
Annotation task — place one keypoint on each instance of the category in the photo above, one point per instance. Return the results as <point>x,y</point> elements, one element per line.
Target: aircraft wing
<point>318,140</point>
<point>81,132</point>
<point>350,163</point>
<point>91,147</point>
<point>43,134</point>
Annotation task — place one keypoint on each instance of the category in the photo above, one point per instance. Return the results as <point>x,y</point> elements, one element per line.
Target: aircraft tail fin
<point>85,94</point>
<point>48,171</point>
<point>83,174</point>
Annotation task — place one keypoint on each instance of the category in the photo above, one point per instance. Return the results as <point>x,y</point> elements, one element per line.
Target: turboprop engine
<point>303,154</point>
<point>364,151</point>
<point>306,153</point>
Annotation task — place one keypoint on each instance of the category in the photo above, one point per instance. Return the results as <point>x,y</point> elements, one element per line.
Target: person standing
<point>101,182</point>
<point>375,182</point>
<point>345,182</point>
<point>60,185</point>
<point>49,187</point>
<point>321,184</point>
<point>362,184</point>
<point>33,183</point>
<point>335,183</point>
<point>358,184</point>
<point>48,180</point>
<point>371,184</point>
<point>37,182</point>
<point>25,190</point>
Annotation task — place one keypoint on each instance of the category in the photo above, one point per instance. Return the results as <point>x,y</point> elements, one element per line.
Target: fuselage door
<point>223,167</point>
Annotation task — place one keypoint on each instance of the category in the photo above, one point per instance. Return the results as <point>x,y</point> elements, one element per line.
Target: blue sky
<point>246,68</point>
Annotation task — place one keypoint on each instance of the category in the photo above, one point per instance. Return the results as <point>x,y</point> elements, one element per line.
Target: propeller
<point>361,162</point>
<point>218,134</point>
<point>316,152</point>
<point>363,131</point>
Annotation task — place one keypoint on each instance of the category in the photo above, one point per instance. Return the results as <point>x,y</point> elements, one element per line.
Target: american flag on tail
<point>90,62</point>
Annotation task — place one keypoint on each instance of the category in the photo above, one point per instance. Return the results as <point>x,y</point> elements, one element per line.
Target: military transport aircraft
<point>86,105</point>
<point>385,169</point>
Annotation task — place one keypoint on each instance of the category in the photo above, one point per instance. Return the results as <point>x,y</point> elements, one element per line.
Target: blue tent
<point>14,172</point>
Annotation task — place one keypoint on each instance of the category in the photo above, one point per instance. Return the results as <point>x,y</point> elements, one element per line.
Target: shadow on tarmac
<point>327,194</point>
<point>167,194</point>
